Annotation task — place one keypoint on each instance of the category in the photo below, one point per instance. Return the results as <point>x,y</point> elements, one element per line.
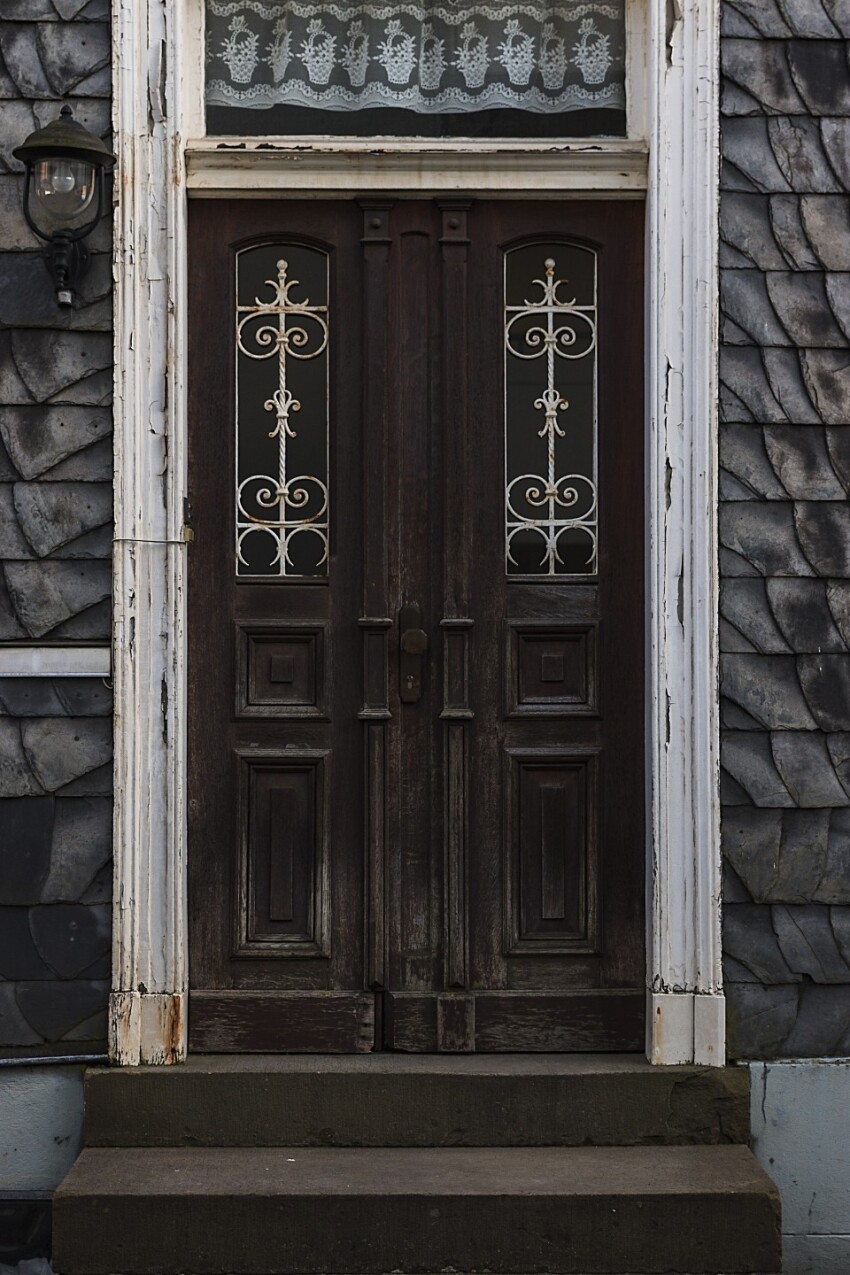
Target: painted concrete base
<point>800,1116</point>
<point>41,1124</point>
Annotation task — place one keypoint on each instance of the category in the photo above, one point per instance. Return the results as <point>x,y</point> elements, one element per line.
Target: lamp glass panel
<point>64,190</point>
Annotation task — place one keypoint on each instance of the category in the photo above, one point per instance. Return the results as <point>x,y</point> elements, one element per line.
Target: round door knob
<point>414,641</point>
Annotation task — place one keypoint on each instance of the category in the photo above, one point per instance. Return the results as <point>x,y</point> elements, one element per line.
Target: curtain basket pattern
<point>538,55</point>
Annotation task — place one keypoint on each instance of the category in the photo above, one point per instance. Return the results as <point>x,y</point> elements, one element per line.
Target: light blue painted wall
<point>800,1119</point>
<point>41,1124</point>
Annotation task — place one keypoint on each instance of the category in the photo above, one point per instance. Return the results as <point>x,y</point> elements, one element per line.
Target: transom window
<point>416,67</point>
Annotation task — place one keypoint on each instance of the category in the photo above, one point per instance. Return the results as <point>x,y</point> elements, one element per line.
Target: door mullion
<point>456,624</point>
<point>374,622</point>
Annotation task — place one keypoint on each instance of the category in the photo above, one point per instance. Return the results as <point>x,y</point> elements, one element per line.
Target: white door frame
<point>157,110</point>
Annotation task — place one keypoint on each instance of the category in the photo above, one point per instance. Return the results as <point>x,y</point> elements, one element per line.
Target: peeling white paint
<point>158,79</point>
<point>686,1019</point>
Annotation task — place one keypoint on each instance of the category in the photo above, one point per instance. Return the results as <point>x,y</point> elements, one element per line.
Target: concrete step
<point>395,1100</point>
<point>276,1211</point>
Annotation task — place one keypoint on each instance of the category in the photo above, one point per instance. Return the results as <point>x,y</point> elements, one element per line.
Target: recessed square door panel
<point>551,670</point>
<point>281,671</point>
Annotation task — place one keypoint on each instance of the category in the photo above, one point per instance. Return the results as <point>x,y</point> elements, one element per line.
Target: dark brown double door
<point>416,778</point>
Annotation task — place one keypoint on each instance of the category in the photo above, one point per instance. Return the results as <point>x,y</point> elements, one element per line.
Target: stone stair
<point>310,1165</point>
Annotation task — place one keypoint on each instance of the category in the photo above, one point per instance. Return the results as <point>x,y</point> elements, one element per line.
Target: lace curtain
<point>534,55</point>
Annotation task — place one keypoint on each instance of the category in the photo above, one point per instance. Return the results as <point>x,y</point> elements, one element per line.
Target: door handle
<point>413,643</point>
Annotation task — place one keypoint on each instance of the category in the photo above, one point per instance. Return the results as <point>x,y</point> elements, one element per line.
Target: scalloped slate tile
<point>801,462</point>
<point>62,749</point>
<point>827,378</point>
<point>825,682</point>
<point>745,226</point>
<point>54,1008</point>
<point>808,944</point>
<point>19,47</point>
<point>26,835</point>
<point>838,600</point>
<point>39,438</point>
<point>803,154</point>
<point>820,73</point>
<point>822,1024</point>
<point>45,595</point>
<point>744,605</point>
<point>767,689</point>
<point>807,770</point>
<point>802,613</point>
<point>749,938</point>
<point>765,535</point>
<point>744,299</point>
<point>802,308</point>
<point>12,542</point>
<point>57,367</point>
<point>52,515</point>
<point>55,697</point>
<point>80,849</point>
<point>826,221</point>
<point>15,1031</point>
<point>759,1019</point>
<point>743,455</point>
<point>11,628</point>
<point>789,856</point>
<point>70,938</point>
<point>787,225</point>
<point>748,760</point>
<point>747,150</point>
<point>96,783</point>
<point>16,777</point>
<point>762,70</point>
<point>836,143</point>
<point>71,55</point>
<point>19,956</point>
<point>823,529</point>
<point>93,464</point>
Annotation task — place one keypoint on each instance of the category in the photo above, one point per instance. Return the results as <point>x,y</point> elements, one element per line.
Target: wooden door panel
<point>275,747</point>
<point>436,847</point>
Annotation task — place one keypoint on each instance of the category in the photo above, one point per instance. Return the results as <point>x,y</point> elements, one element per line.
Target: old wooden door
<point>416,777</point>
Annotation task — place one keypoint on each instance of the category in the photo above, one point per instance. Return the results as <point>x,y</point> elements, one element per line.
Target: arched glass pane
<point>282,331</point>
<point>551,501</point>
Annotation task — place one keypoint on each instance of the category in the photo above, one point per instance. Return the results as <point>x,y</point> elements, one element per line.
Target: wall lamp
<point>65,174</point>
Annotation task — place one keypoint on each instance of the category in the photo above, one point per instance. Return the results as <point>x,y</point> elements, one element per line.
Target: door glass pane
<point>550,410</point>
<point>414,59</point>
<point>282,411</point>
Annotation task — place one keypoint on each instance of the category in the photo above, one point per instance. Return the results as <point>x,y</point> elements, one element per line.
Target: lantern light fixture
<point>63,195</point>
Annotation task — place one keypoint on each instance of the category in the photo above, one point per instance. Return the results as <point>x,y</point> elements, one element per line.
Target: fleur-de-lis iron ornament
<point>548,505</point>
<point>283,506</point>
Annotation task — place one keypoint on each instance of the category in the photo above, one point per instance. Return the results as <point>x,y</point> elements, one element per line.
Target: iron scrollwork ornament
<point>547,505</point>
<point>285,505</point>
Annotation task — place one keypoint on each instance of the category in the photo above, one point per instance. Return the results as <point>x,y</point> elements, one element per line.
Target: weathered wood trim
<point>149,910</point>
<point>684,881</point>
<point>158,84</point>
<point>337,168</point>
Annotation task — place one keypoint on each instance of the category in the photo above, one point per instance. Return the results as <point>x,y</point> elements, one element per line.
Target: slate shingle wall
<point>55,574</point>
<point>785,525</point>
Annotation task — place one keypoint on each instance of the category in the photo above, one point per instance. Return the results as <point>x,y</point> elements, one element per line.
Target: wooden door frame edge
<point>157,74</point>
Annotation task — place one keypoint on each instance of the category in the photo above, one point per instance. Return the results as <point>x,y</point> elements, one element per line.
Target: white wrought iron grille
<point>282,502</point>
<point>551,504</point>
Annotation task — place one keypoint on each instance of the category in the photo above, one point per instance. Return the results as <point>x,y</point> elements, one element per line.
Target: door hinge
<point>188,529</point>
